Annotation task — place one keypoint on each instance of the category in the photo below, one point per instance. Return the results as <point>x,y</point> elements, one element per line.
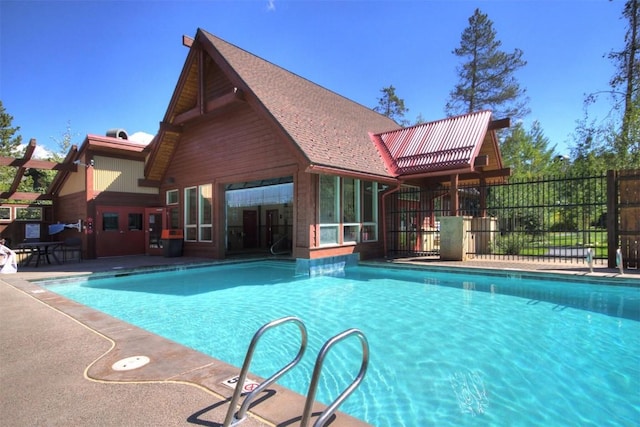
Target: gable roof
<point>326,130</point>
<point>453,145</point>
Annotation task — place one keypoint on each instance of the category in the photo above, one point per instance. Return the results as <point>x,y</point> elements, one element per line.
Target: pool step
<point>234,418</point>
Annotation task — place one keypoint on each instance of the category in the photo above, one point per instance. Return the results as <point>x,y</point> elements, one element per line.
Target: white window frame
<point>353,232</point>
<point>205,225</point>
<point>190,228</point>
<point>168,197</point>
<point>331,229</point>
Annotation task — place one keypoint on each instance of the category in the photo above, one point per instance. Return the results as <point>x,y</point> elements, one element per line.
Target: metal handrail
<point>233,420</point>
<point>324,416</point>
<point>273,247</point>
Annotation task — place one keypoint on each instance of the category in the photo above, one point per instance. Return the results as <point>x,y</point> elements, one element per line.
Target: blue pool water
<point>446,349</point>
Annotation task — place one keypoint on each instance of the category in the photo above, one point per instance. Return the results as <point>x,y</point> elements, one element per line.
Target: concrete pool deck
<point>56,357</point>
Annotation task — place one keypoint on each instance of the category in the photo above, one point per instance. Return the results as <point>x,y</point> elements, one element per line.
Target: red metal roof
<point>451,143</point>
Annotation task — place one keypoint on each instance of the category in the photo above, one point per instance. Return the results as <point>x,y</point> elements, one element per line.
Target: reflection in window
<point>28,214</point>
<point>110,221</point>
<point>349,205</point>
<point>5,214</point>
<point>172,197</point>
<point>135,222</point>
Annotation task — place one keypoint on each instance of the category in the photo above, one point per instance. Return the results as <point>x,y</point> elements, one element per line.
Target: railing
<point>551,219</point>
<point>311,394</point>
<point>235,419</point>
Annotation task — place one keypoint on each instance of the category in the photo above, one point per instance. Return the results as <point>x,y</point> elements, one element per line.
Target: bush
<point>509,244</point>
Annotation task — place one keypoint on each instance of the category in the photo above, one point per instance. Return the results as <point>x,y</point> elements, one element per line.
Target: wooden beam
<point>25,196</point>
<point>499,124</point>
<point>187,41</point>
<point>37,164</point>
<point>496,173</point>
<point>169,127</point>
<point>212,106</point>
<point>149,183</point>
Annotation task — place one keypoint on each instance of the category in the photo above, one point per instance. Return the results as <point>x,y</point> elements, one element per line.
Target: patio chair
<point>70,247</point>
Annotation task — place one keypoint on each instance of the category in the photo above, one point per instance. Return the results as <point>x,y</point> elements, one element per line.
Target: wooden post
<point>453,195</point>
<point>483,197</point>
<point>612,218</point>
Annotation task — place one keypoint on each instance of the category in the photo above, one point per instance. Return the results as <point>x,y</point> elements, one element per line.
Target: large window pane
<point>369,201</point>
<point>350,200</point>
<point>206,212</point>
<point>191,206</point>
<point>329,200</point>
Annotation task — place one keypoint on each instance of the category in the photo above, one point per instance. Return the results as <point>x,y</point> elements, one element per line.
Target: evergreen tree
<point>390,105</point>
<point>487,78</point>
<point>10,142</point>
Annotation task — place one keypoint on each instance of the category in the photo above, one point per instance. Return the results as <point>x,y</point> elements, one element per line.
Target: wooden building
<point>252,157</point>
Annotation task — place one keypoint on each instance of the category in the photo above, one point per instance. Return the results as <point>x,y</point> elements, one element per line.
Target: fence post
<point>612,218</point>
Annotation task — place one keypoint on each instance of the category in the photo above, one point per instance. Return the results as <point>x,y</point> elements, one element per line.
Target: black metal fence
<point>552,219</point>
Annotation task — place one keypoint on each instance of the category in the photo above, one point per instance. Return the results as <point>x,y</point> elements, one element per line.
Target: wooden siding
<point>217,84</point>
<point>119,175</point>
<point>75,183</point>
<point>231,148</point>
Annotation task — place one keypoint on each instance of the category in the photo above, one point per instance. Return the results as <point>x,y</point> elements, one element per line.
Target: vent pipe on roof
<point>117,133</point>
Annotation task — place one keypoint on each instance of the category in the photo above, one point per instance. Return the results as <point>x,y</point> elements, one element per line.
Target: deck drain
<point>130,363</point>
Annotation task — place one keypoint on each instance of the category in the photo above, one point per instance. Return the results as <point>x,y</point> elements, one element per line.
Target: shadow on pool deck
<point>56,357</point>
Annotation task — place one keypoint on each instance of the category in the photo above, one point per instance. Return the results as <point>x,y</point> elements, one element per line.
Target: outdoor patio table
<point>41,250</point>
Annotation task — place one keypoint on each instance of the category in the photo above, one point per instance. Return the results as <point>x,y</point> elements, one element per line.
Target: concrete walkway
<point>56,358</point>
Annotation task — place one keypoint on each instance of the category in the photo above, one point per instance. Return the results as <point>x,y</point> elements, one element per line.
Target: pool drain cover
<point>130,363</point>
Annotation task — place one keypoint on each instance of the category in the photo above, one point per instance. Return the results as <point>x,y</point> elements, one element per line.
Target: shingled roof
<point>329,131</point>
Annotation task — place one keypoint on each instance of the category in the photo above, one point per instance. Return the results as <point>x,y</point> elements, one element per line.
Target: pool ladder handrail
<point>311,393</point>
<point>233,420</point>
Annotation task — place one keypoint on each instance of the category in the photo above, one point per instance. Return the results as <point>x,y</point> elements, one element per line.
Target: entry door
<point>119,231</point>
<point>250,229</point>
<point>155,222</point>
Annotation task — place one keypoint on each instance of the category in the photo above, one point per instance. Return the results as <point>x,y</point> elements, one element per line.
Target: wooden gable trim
<point>210,107</point>
<point>61,176</point>
<point>250,97</point>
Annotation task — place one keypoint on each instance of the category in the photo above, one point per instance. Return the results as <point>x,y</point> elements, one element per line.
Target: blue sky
<point>98,65</point>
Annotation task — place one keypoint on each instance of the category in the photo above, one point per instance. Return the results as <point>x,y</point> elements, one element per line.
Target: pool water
<point>446,349</point>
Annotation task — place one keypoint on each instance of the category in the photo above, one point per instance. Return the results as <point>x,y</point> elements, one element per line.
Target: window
<point>329,210</point>
<point>348,210</point>
<point>172,197</point>
<point>5,214</point>
<point>29,214</point>
<point>198,213</point>
<point>135,222</point>
<point>191,213</point>
<point>110,221</point>
<point>206,213</point>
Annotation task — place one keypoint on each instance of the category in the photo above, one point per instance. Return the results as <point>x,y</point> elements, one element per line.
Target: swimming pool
<point>446,349</point>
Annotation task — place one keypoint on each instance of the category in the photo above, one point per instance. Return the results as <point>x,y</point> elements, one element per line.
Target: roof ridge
<point>214,37</point>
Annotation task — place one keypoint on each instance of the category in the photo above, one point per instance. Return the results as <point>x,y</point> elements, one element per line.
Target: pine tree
<point>10,142</point>
<point>390,105</point>
<point>487,78</point>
